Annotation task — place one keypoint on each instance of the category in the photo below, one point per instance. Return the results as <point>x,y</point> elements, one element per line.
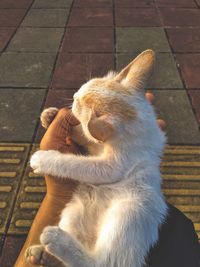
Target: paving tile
<point>46,18</point>
<point>134,3</point>
<point>72,70</point>
<point>83,17</point>
<point>184,39</point>
<point>5,35</point>
<point>15,4</point>
<point>195,100</point>
<point>140,17</point>
<point>92,3</point>
<point>174,107</point>
<point>52,3</point>
<point>180,16</point>
<point>176,3</point>
<point>190,69</point>
<point>55,98</point>
<point>137,39</point>
<point>26,69</point>
<point>19,109</point>
<point>31,193</point>
<point>11,17</point>
<point>165,74</point>
<point>12,248</point>
<point>88,40</point>
<point>13,158</point>
<point>36,40</point>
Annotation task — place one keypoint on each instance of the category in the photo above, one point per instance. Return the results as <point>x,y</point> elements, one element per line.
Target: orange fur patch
<point>102,105</point>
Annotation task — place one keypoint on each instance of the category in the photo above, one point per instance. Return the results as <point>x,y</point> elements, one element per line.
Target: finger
<point>149,97</point>
<point>161,124</point>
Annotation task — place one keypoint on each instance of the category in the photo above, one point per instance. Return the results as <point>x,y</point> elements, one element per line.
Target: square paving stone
<point>5,35</point>
<point>11,17</point>
<point>138,39</point>
<point>20,110</point>
<point>165,74</point>
<point>52,3</point>
<point>180,16</point>
<point>15,4</point>
<point>88,40</point>
<point>83,17</point>
<point>137,17</point>
<point>184,39</point>
<point>72,70</point>
<point>36,40</point>
<point>134,3</point>
<point>55,98</point>
<point>26,69</point>
<point>195,100</point>
<point>174,107</point>
<point>92,3</point>
<point>190,69</point>
<point>46,18</point>
<point>176,3</point>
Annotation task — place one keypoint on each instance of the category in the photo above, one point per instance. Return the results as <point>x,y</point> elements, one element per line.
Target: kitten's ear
<point>138,71</point>
<point>100,129</point>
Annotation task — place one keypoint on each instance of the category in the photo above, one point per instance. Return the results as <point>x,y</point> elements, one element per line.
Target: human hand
<point>150,98</point>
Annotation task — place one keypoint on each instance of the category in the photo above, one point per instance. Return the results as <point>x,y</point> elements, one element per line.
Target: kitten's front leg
<point>62,245</point>
<point>88,169</point>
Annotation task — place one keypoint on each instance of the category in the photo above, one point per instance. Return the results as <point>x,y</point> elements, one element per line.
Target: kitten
<point>115,214</point>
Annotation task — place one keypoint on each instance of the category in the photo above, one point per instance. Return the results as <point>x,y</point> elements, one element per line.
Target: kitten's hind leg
<point>47,116</point>
<point>38,255</point>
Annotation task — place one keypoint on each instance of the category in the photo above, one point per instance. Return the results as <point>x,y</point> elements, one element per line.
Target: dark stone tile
<point>11,250</point>
<point>26,69</point>
<point>92,3</point>
<point>176,3</point>
<point>19,113</point>
<point>137,39</point>
<point>174,107</point>
<point>184,39</point>
<point>195,100</point>
<point>52,3</point>
<point>36,40</point>
<point>15,4</point>
<point>190,69</point>
<point>165,74</point>
<point>83,17</point>
<point>11,17</point>
<point>59,99</point>
<point>180,16</point>
<point>72,70</point>
<point>88,40</point>
<point>5,35</point>
<point>134,3</point>
<point>46,18</point>
<point>140,17</point>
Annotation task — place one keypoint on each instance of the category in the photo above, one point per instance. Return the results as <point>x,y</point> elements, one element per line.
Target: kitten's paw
<point>42,161</point>
<point>38,255</point>
<point>54,239</point>
<point>47,116</point>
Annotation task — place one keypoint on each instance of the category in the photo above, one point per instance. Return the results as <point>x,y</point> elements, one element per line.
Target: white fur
<point>114,217</point>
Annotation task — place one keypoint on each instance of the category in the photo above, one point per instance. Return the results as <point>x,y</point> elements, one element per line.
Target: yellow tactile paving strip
<point>181,185</point>
<point>12,161</point>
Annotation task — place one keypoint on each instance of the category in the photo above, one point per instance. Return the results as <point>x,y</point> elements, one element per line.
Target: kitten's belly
<point>82,217</point>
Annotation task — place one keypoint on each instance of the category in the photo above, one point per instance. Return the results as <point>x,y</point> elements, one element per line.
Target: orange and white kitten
<point>114,217</point>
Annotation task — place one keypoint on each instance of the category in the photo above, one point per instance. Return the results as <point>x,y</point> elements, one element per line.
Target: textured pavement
<point>49,48</point>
